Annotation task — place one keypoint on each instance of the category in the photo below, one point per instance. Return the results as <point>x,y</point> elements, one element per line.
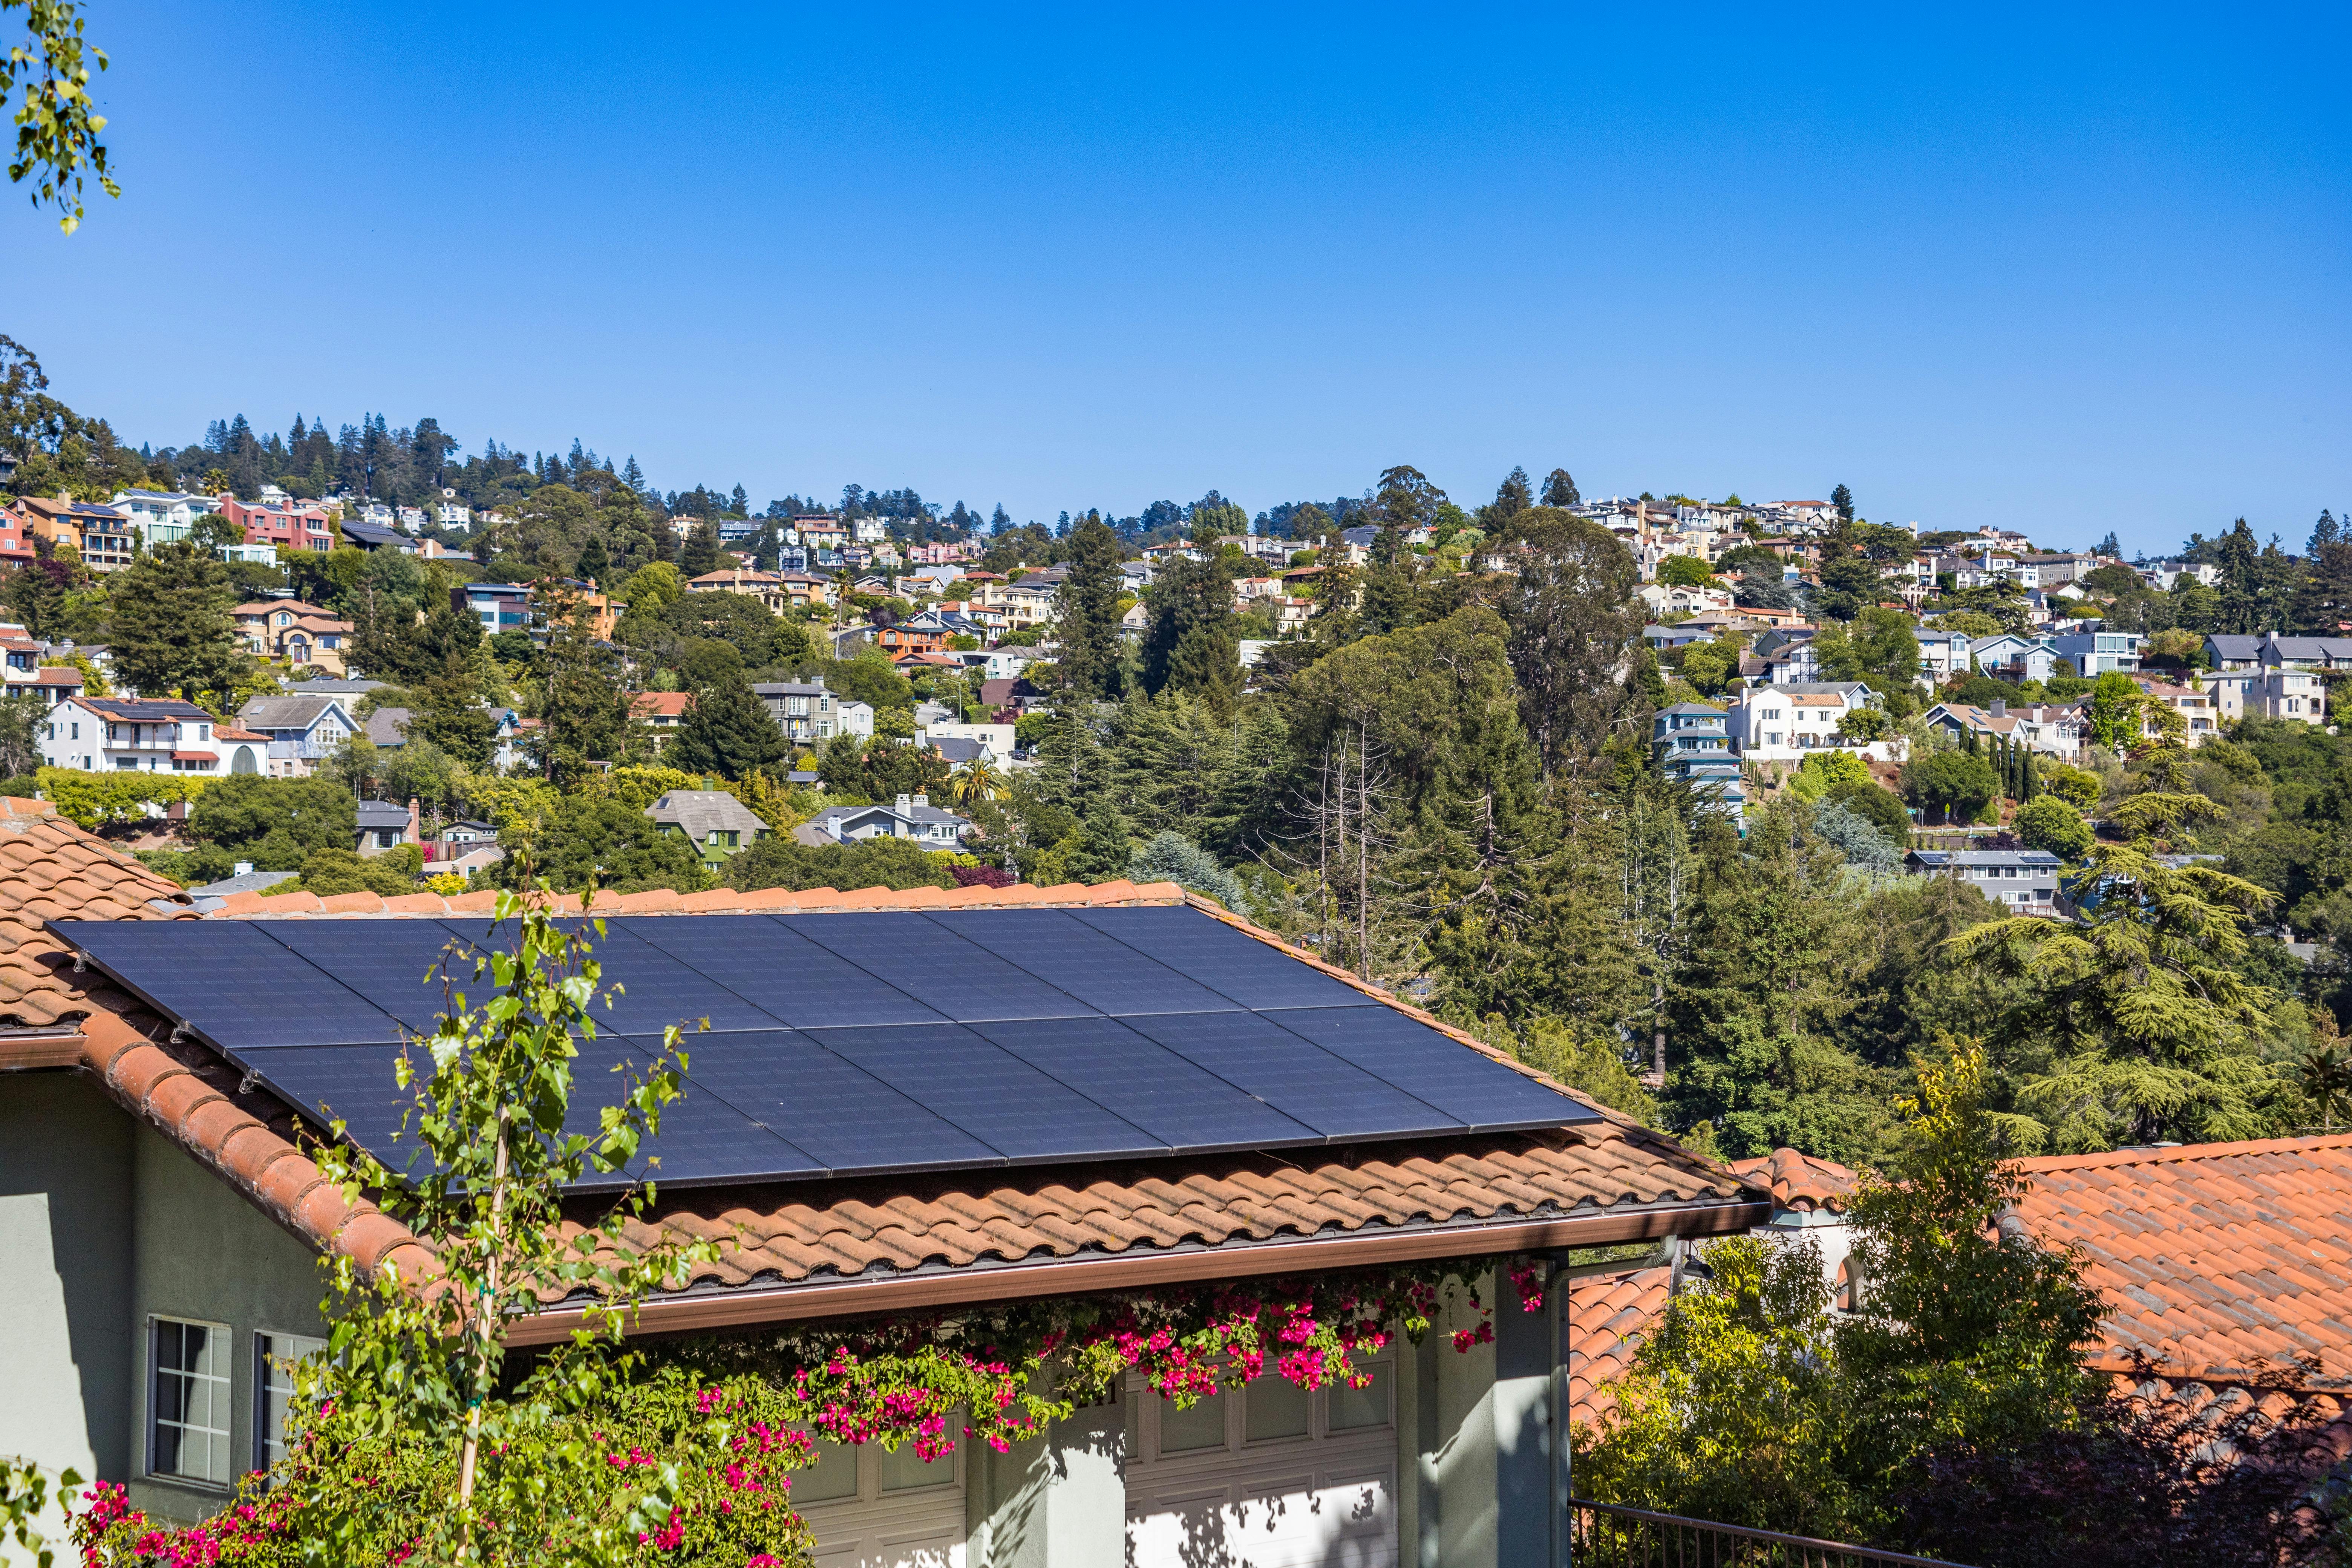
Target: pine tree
<point>1843,498</point>
<point>740,503</point>
<point>632,476</point>
<point>592,565</point>
<point>1086,613</point>
<point>1512,497</point>
<point>2324,532</point>
<point>1192,643</point>
<point>173,633</point>
<point>2108,546</point>
<point>728,731</point>
<point>583,711</point>
<point>699,554</point>
<point>998,521</point>
<point>1559,490</point>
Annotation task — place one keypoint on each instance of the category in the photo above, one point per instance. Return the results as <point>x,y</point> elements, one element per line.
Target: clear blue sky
<point>2082,272</point>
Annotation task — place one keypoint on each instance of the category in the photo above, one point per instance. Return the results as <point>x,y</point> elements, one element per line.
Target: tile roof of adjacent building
<point>51,869</point>
<point>1801,1181</point>
<point>388,726</point>
<point>659,704</point>
<point>2219,1258</point>
<point>988,1234</point>
<point>1608,1317</point>
<point>382,813</point>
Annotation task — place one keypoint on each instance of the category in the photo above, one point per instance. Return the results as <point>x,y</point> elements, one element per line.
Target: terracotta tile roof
<point>1799,1180</point>
<point>663,704</point>
<point>51,869</point>
<point>2217,1258</point>
<point>727,901</point>
<point>1608,1317</point>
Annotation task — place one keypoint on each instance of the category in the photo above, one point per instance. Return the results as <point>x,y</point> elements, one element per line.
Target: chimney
<point>905,804</point>
<point>415,837</point>
<point>2000,708</point>
<point>242,869</point>
<point>922,800</point>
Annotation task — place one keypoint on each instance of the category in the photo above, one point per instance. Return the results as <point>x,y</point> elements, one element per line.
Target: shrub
<point>1173,858</point>
<point>1857,838</point>
<point>896,863</point>
<point>2046,821</point>
<point>2078,787</point>
<point>1882,808</point>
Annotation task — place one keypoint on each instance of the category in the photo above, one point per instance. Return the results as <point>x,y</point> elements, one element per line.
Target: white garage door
<point>1269,1475</point>
<point>868,1509</point>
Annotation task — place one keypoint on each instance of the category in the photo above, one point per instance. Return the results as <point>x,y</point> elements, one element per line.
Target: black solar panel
<point>915,956</point>
<point>1232,964</point>
<point>1303,1081</point>
<point>844,1117</point>
<point>1105,974</point>
<point>1180,1104</point>
<point>1389,1045</point>
<point>231,982</point>
<point>862,1043</point>
<point>787,975</point>
<point>1021,1113</point>
<point>397,965</point>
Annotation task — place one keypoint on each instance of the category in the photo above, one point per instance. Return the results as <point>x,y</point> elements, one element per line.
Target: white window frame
<point>274,1353</point>
<point>218,1427</point>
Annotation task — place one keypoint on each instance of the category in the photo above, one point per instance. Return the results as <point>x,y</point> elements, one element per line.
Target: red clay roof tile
<point>2216,1257</point>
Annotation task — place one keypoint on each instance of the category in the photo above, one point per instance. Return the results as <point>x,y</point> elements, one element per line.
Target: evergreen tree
<point>1105,847</point>
<point>1511,497</point>
<point>1843,498</point>
<point>2108,546</point>
<point>592,566</point>
<point>172,632</point>
<point>728,731</point>
<point>2323,602</point>
<point>699,554</point>
<point>1086,613</point>
<point>1559,490</point>
<point>998,521</point>
<point>583,711</point>
<point>740,502</point>
<point>453,718</point>
<point>632,476</point>
<point>1193,643</point>
<point>1572,615</point>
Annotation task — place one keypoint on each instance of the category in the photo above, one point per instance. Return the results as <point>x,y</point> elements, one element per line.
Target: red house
<point>287,526</point>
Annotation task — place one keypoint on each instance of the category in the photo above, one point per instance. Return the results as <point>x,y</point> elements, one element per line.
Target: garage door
<point>1269,1475</point>
<point>868,1509</point>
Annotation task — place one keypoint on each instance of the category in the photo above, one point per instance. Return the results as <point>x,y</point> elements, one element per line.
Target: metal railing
<point>1604,1535</point>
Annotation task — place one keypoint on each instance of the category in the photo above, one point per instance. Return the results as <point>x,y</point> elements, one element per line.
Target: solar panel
<point>354,1083</point>
<point>1021,1113</point>
<point>1105,974</point>
<point>397,965</point>
<point>1230,963</point>
<point>914,955</point>
<point>1179,1103</point>
<point>847,1119</point>
<point>869,1042</point>
<point>787,975</point>
<point>231,982</point>
<point>1303,1081</point>
<point>1469,1087</point>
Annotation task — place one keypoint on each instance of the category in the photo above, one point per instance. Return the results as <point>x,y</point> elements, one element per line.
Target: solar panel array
<point>863,1043</point>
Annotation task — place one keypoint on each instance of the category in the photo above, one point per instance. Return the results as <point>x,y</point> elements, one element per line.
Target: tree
<point>56,132</point>
<point>274,823</point>
<point>452,719</point>
<point>1560,491</point>
<point>1571,612</point>
<point>1193,643</point>
<point>1511,497</point>
<point>1953,783</point>
<point>21,721</point>
<point>594,566</point>
<point>172,631</point>
<point>896,863</point>
<point>1086,613</point>
<point>699,554</point>
<point>1843,498</point>
<point>2138,1023</point>
<point>585,844</point>
<point>2118,710</point>
<point>728,731</point>
<point>2049,823</point>
<point>1173,858</point>
<point>583,711</point>
<point>2108,546</point>
<point>1684,572</point>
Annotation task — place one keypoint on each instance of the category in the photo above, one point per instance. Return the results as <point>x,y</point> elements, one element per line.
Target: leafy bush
<point>1173,858</point>
<point>2078,787</point>
<point>1955,782</point>
<point>2046,821</point>
<point>896,863</point>
<point>93,800</point>
<point>1882,808</point>
<point>275,823</point>
<point>585,844</point>
<point>328,872</point>
<point>1857,838</point>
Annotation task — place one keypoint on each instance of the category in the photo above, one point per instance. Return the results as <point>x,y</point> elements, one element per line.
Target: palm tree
<point>976,779</point>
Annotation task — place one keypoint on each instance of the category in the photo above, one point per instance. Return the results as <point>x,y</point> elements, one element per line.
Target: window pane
<point>1354,1408</point>
<point>832,1473</point>
<point>188,1402</point>
<point>273,1391</point>
<point>1203,1426</point>
<point>1276,1407</point>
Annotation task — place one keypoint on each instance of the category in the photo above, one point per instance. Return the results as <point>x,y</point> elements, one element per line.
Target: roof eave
<point>702,1311</point>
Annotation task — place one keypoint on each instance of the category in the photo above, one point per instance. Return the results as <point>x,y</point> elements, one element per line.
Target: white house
<point>159,735</point>
<point>162,517</point>
<point>913,816</point>
<point>2268,694</point>
<point>1784,723</point>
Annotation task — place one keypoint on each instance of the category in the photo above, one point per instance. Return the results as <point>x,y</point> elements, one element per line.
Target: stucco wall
<point>66,1273</point>
<point>199,1250</point>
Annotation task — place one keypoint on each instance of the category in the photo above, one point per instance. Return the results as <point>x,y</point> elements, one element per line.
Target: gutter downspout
<point>1563,1521</point>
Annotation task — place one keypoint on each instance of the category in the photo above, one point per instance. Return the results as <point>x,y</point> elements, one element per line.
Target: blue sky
<point>2078,271</point>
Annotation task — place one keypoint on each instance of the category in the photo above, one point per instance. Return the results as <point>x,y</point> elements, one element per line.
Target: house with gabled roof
<point>167,1150</point>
